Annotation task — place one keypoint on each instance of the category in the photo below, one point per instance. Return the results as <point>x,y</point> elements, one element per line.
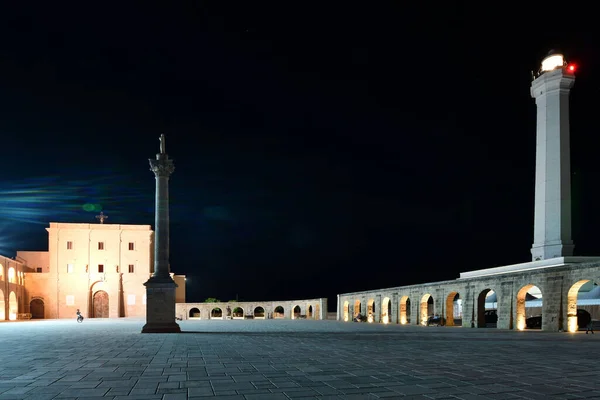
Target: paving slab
<point>284,359</point>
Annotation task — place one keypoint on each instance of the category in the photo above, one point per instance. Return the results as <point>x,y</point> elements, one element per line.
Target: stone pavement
<point>283,359</point>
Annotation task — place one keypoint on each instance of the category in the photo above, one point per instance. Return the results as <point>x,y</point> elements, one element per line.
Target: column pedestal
<point>160,306</point>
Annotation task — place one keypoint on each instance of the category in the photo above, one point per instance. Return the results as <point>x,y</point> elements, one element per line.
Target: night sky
<point>319,149</point>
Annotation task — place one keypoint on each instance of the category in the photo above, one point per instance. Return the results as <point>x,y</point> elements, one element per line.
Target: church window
<point>70,300</point>
<point>131,299</point>
<point>100,245</point>
<point>131,246</point>
<point>131,268</point>
<point>100,268</point>
<point>69,268</point>
<point>69,245</point>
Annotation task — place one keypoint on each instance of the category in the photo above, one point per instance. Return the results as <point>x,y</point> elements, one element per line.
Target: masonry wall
<point>558,286</point>
<point>203,310</point>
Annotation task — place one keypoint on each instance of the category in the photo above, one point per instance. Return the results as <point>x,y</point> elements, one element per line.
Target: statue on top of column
<point>162,144</point>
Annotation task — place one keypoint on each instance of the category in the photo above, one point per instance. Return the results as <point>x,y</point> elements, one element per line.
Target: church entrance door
<point>100,304</point>
<point>36,307</point>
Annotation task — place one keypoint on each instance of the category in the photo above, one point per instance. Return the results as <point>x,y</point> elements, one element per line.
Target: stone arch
<point>12,275</point>
<point>13,306</point>
<point>427,307</point>
<point>1,272</point>
<point>237,313</point>
<point>2,306</point>
<point>216,313</point>
<point>194,313</point>
<point>357,307</point>
<point>346,310</point>
<point>573,319</point>
<point>371,310</point>
<point>296,312</point>
<point>404,307</point>
<point>279,312</point>
<point>259,312</point>
<point>309,311</point>
<point>486,313</point>
<point>36,308</point>
<point>386,310</point>
<point>452,308</point>
<point>522,300</point>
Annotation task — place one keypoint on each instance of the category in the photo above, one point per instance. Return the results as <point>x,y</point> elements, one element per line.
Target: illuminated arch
<point>371,310</point>
<point>1,272</point>
<point>386,310</point>
<point>346,311</point>
<point>426,307</point>
<point>11,275</point>
<point>13,306</point>
<point>521,311</point>
<point>572,321</point>
<point>357,308</point>
<point>451,300</point>
<point>2,306</point>
<point>404,310</point>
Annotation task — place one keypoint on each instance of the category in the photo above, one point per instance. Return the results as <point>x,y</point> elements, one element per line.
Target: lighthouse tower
<point>552,221</point>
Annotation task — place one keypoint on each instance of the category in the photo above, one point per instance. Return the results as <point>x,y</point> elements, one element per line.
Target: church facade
<point>99,269</point>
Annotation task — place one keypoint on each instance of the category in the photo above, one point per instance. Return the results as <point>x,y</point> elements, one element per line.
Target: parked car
<point>583,318</point>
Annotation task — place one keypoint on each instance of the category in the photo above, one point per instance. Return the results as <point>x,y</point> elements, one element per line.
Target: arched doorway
<point>279,312</point>
<point>36,307</point>
<point>309,312</point>
<point>296,312</point>
<point>194,313</point>
<point>216,313</point>
<point>100,304</point>
<point>238,312</point>
<point>346,310</point>
<point>259,313</point>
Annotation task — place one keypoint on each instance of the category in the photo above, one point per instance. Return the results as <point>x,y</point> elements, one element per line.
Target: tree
<point>212,300</point>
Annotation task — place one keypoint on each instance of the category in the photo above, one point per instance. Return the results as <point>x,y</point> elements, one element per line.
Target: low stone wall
<point>288,309</point>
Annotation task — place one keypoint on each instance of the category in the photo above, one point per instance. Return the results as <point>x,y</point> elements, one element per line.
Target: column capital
<point>162,166</point>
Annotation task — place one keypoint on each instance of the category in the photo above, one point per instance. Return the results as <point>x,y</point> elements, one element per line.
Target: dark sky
<point>319,149</point>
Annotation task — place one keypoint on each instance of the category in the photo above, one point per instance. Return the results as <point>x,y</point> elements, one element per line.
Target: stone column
<point>160,288</point>
<point>394,311</point>
<point>337,316</point>
<point>552,218</point>
<point>378,306</point>
<point>552,319</point>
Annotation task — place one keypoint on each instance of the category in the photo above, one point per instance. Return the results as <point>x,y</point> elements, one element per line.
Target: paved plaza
<point>285,359</point>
